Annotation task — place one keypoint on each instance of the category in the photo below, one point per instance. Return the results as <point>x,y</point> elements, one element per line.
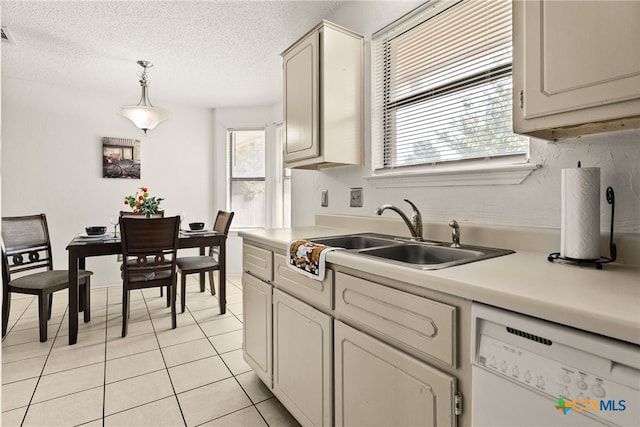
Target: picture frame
<point>121,158</point>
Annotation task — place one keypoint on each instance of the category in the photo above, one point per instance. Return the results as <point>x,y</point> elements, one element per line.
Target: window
<point>247,177</point>
<point>443,87</point>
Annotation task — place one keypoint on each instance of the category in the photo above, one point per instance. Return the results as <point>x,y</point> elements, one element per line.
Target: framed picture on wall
<point>120,158</point>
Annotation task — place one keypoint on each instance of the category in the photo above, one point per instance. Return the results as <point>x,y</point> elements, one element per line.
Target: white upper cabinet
<point>323,99</point>
<point>576,67</point>
<point>301,101</point>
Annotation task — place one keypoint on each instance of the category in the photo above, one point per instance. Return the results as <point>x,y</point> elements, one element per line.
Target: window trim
<point>444,175</point>
<point>282,175</point>
<point>505,170</point>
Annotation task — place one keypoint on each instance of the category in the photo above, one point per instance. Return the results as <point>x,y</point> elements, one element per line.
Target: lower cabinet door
<point>257,328</point>
<point>377,385</point>
<point>302,360</point>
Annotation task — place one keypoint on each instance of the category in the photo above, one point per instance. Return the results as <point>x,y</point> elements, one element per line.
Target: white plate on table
<point>189,231</point>
<point>99,236</point>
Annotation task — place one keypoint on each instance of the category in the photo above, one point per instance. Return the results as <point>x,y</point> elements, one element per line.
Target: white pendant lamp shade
<point>144,115</point>
<point>145,118</point>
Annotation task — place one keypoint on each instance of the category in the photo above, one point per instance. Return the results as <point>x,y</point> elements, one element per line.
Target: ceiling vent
<point>6,36</point>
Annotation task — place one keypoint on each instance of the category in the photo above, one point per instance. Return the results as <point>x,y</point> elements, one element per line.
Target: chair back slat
<point>149,246</point>
<point>221,225</point>
<point>24,232</point>
<point>25,244</point>
<point>149,235</point>
<point>159,214</point>
<point>223,222</point>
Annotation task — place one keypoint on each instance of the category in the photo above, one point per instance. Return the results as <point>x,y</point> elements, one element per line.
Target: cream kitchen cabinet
<point>390,348</point>
<point>377,385</point>
<point>323,99</point>
<point>576,67</point>
<point>302,360</point>
<point>422,326</point>
<point>354,349</point>
<point>303,344</point>
<point>257,294</point>
<point>314,292</point>
<point>288,340</point>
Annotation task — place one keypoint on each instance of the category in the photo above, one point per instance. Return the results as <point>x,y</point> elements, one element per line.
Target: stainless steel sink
<point>420,255</point>
<point>357,241</point>
<point>434,257</point>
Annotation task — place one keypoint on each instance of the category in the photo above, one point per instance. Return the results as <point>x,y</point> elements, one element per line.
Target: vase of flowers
<point>142,204</point>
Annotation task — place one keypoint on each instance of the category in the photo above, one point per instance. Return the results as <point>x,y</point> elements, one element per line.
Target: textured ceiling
<point>205,54</point>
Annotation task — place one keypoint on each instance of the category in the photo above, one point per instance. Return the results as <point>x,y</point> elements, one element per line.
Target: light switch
<point>324,199</point>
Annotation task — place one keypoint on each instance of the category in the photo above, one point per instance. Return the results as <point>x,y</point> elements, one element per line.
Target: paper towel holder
<point>611,199</point>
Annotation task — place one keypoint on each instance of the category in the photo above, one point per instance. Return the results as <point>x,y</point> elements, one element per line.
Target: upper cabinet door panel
<point>580,54</point>
<point>324,99</point>
<point>301,100</point>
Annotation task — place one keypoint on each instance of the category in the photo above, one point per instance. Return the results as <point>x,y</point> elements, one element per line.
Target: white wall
<point>535,202</point>
<point>51,162</point>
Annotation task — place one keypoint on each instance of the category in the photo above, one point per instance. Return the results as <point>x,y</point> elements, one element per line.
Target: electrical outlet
<point>324,199</point>
<point>355,200</point>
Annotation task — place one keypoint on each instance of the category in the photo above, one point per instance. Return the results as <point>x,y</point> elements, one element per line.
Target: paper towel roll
<point>580,222</point>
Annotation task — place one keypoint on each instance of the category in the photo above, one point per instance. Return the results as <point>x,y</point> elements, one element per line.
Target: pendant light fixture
<point>144,115</point>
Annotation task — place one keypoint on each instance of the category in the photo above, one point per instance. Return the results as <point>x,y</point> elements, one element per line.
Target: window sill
<point>483,175</point>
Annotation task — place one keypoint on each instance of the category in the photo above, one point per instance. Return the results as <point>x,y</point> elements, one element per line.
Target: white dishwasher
<point>531,372</point>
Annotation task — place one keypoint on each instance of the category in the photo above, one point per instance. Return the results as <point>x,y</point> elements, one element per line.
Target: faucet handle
<point>455,233</point>
<point>416,219</point>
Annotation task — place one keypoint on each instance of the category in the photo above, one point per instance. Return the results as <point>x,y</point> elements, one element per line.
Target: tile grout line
<point>54,338</point>
<point>24,418</point>
<point>232,374</point>
<point>223,362</point>
<point>106,342</point>
<point>162,354</point>
<point>250,400</point>
<point>145,300</point>
<point>18,319</point>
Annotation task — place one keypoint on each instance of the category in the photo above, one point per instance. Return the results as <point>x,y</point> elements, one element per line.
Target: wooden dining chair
<point>27,268</point>
<point>149,259</point>
<point>159,214</point>
<point>203,263</point>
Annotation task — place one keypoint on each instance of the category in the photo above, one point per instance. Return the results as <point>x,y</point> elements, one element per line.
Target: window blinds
<point>442,88</point>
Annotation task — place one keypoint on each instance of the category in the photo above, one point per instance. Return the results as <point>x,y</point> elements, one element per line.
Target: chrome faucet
<point>455,233</point>
<point>414,224</point>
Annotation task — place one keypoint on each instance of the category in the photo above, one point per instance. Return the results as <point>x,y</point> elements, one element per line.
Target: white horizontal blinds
<point>443,87</point>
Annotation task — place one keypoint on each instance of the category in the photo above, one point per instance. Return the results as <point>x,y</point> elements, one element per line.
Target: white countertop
<point>605,302</point>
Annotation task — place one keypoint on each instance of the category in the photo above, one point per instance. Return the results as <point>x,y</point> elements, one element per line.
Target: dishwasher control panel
<point>570,386</point>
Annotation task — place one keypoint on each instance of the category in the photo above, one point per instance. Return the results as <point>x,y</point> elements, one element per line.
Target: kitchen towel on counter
<point>308,258</point>
<point>580,220</point>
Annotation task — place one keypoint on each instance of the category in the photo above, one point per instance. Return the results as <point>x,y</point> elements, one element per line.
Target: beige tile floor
<point>156,376</point>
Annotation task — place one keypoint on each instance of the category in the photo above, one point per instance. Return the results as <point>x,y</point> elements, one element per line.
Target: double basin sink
<point>425,255</point>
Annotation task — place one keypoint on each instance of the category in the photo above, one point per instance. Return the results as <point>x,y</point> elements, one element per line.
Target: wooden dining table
<point>81,248</point>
